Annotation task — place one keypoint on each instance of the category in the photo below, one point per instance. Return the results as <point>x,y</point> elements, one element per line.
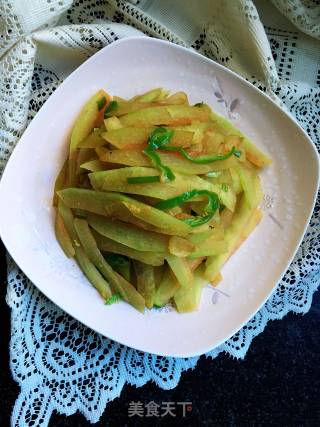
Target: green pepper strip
<point>205,159</point>
<point>159,137</point>
<point>119,263</point>
<point>113,105</point>
<point>143,179</point>
<point>101,103</point>
<point>208,211</point>
<point>114,298</point>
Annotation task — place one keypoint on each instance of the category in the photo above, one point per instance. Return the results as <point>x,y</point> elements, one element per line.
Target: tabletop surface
<point>278,383</point>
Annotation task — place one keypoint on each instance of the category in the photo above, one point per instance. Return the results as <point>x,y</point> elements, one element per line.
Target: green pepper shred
<point>205,159</point>
<point>119,263</point>
<point>101,103</point>
<point>159,138</point>
<point>208,211</point>
<point>113,105</point>
<point>114,298</point>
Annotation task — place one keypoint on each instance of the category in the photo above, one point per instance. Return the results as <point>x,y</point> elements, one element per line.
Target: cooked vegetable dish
<point>155,196</point>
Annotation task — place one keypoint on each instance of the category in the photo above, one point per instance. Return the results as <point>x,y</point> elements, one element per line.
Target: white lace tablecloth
<point>59,363</point>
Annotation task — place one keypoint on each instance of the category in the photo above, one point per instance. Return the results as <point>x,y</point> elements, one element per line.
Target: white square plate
<point>126,68</point>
